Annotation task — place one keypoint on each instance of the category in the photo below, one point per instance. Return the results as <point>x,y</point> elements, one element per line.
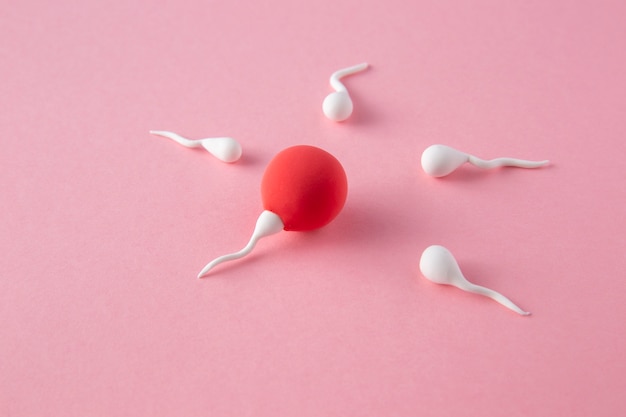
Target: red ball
<point>305,186</point>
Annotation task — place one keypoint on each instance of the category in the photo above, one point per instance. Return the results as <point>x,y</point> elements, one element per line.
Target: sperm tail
<point>225,258</point>
<point>177,138</point>
<point>334,78</point>
<point>267,224</point>
<point>494,295</point>
<point>508,162</point>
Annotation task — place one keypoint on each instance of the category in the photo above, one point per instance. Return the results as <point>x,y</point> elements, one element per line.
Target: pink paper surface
<point>103,227</point>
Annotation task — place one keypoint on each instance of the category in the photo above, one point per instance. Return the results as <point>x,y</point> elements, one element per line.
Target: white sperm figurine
<point>441,160</point>
<point>223,148</point>
<point>338,106</point>
<point>438,265</point>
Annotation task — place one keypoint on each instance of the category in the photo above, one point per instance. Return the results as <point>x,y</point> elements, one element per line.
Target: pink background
<point>104,227</point>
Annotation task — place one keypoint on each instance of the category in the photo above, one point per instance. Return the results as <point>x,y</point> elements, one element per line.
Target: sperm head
<point>441,160</point>
<point>224,148</point>
<point>438,265</point>
<point>337,106</point>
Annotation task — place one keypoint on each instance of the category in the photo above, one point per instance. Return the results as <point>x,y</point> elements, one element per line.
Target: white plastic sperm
<point>338,106</point>
<point>438,265</point>
<point>267,224</point>
<point>441,160</point>
<point>223,148</point>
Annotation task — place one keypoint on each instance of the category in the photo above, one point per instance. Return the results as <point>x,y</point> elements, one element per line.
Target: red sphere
<point>305,186</point>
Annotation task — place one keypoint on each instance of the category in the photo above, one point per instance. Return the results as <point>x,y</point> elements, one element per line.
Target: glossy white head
<point>225,149</point>
<point>338,106</point>
<point>441,160</point>
<point>438,265</point>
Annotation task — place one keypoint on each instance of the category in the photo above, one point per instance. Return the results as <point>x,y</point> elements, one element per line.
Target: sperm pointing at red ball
<point>303,188</point>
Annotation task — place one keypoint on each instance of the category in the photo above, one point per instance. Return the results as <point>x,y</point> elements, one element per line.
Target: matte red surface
<point>306,186</point>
